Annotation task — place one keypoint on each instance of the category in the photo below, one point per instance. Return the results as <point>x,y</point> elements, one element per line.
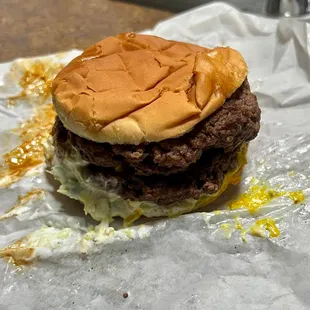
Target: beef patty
<point>236,122</point>
<point>174,169</point>
<point>204,177</point>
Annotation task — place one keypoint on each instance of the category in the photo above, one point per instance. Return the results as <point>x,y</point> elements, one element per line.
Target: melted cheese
<point>268,224</point>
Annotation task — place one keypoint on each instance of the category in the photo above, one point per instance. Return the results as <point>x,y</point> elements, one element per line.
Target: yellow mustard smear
<point>259,195</point>
<point>30,153</point>
<point>226,226</point>
<point>292,174</point>
<point>229,228</point>
<point>258,229</point>
<point>240,227</point>
<point>268,224</point>
<point>36,80</point>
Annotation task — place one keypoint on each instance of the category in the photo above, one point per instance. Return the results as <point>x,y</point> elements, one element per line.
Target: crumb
<point>84,256</point>
<point>125,295</point>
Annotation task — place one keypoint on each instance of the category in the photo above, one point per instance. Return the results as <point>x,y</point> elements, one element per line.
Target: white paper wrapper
<point>190,262</point>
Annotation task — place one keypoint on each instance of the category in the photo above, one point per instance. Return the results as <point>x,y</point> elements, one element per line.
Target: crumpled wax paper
<point>204,260</point>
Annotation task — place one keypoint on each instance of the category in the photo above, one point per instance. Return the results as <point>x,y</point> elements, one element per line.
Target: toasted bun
<point>135,88</point>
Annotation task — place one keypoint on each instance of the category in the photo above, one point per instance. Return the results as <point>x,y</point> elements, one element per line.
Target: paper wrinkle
<point>186,262</point>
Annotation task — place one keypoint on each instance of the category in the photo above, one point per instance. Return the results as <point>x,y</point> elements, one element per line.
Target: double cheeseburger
<point>147,126</point>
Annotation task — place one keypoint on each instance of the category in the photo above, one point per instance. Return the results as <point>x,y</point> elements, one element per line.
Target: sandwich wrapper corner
<point>244,258</point>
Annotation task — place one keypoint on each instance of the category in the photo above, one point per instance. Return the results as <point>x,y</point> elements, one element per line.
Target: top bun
<point>136,88</point>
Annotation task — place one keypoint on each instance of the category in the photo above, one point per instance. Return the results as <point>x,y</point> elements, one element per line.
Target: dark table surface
<point>38,27</point>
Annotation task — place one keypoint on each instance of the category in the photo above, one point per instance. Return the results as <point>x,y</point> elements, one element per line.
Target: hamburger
<point>148,126</point>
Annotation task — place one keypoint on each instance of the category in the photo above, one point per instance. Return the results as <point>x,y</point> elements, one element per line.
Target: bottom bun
<point>104,206</point>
